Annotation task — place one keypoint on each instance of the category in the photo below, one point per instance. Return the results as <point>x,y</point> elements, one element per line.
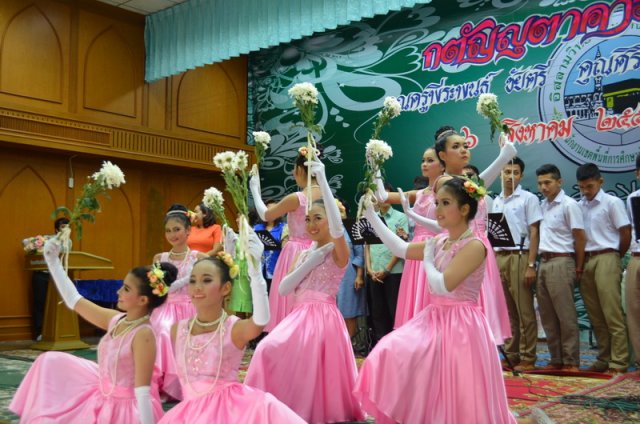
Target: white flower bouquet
<point>377,151</point>
<point>235,173</point>
<point>487,107</point>
<point>110,176</point>
<point>213,199</point>
<point>305,98</point>
<point>390,109</point>
<point>262,141</point>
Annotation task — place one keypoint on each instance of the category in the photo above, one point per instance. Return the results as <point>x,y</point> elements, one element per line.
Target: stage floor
<point>544,391</point>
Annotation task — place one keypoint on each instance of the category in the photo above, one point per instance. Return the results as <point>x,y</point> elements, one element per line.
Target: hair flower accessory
<point>475,188</point>
<point>227,259</point>
<point>156,280</point>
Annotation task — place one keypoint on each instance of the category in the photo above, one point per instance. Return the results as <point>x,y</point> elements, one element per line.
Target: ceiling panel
<point>144,7</point>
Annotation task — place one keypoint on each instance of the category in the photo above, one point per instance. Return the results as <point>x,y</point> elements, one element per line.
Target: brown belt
<point>587,255</point>
<point>550,255</point>
<point>509,252</point>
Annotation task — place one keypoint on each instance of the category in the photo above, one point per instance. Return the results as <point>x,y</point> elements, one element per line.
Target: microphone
<point>523,235</point>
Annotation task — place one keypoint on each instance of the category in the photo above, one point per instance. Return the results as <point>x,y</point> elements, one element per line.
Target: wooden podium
<point>60,329</point>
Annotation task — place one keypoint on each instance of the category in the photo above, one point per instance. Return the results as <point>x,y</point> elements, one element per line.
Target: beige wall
<point>72,94</point>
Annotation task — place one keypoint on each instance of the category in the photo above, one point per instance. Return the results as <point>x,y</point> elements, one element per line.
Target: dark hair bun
<point>170,272</point>
<point>177,207</point>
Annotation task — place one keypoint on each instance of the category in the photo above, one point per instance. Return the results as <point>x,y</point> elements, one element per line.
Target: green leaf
<point>61,210</point>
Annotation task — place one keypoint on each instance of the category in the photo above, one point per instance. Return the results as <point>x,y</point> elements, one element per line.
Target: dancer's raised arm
<point>93,313</point>
<point>507,152</point>
<point>430,224</point>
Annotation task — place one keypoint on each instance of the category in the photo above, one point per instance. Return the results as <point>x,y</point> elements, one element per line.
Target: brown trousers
<point>632,300</point>
<point>600,288</point>
<point>522,316</point>
<point>556,281</point>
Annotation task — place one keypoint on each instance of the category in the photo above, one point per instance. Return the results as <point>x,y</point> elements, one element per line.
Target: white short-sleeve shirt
<point>603,218</point>
<point>635,246</point>
<point>559,217</point>
<point>521,210</point>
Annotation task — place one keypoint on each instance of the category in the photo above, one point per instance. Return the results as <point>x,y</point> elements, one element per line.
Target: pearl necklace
<point>183,262</point>
<point>130,326</point>
<point>186,252</point>
<point>209,324</point>
<point>464,235</point>
<point>130,322</point>
<point>189,346</point>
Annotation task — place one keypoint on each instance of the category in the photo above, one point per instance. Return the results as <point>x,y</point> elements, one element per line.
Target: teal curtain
<point>200,32</point>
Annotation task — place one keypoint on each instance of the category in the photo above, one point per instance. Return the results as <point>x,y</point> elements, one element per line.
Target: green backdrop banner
<point>566,72</point>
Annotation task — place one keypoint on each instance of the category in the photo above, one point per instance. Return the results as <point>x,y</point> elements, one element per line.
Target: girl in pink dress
<point>294,206</point>
<point>453,152</point>
<point>210,346</point>
<point>442,366</point>
<point>413,295</point>
<point>63,388</point>
<point>307,361</point>
<point>178,306</point>
<point>177,227</point>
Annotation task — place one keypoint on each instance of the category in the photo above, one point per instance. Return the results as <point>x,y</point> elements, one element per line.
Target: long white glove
<point>230,239</point>
<point>145,410</point>
<point>179,283</point>
<point>314,258</point>
<point>434,277</point>
<point>259,294</point>
<point>395,244</point>
<point>336,229</point>
<point>430,224</point>
<point>507,152</point>
<point>254,186</point>
<point>63,283</point>
<point>381,194</point>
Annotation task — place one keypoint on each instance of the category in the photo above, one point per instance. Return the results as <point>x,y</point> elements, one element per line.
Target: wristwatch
<point>532,265</point>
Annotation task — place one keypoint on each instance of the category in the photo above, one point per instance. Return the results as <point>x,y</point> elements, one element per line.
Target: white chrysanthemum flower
<point>486,102</point>
<point>240,161</point>
<point>263,138</point>
<point>378,149</point>
<point>304,92</point>
<point>212,198</point>
<point>224,160</point>
<point>392,106</point>
<point>112,175</point>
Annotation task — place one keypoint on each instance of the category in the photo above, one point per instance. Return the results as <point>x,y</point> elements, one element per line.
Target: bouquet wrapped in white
<point>234,168</point>
<point>487,106</point>
<point>305,98</point>
<point>213,199</point>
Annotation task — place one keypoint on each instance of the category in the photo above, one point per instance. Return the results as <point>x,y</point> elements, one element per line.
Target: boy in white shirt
<point>517,264</point>
<point>608,232</point>
<point>632,288</point>
<point>562,241</point>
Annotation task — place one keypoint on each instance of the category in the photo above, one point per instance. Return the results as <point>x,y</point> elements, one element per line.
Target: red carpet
<point>614,401</point>
<point>531,389</point>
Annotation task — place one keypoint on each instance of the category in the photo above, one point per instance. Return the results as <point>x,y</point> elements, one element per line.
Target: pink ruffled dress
<point>212,393</point>
<point>440,367</point>
<point>413,294</point>
<point>63,388</point>
<point>177,307</point>
<point>492,300</point>
<point>307,361</point>
<point>299,240</point>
